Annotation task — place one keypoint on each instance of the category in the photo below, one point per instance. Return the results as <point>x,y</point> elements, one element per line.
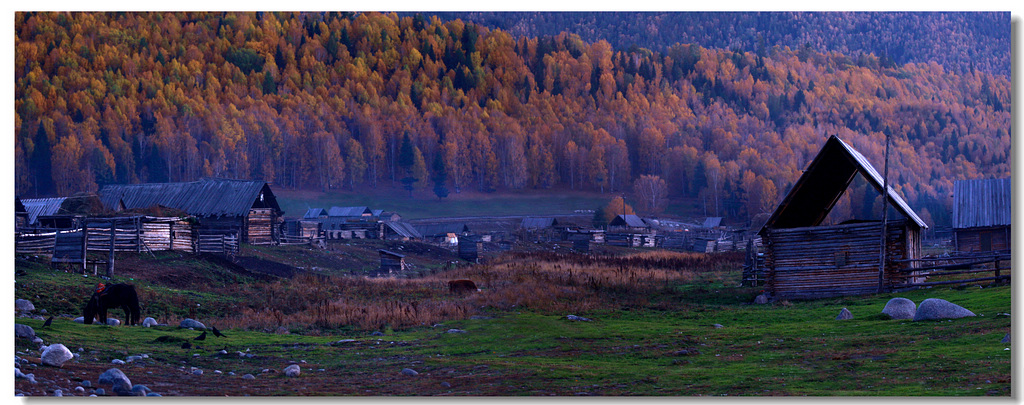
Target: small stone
<point>153,394</point>
<point>149,322</point>
<point>248,377</point>
<point>24,305</point>
<point>113,322</point>
<point>577,318</point>
<point>456,331</point>
<point>101,391</point>
<point>445,384</point>
<point>117,361</point>
<point>197,372</point>
<point>86,383</point>
<point>56,355</point>
<point>844,314</point>
<point>190,323</point>
<point>140,390</point>
<point>718,326</point>
<point>24,331</point>
<point>116,378</point>
<point>936,308</point>
<point>900,308</point>
<point>80,389</point>
<point>409,372</point>
<point>761,299</point>
<point>79,320</point>
<point>218,372</point>
<point>292,370</point>
<point>377,333</point>
<point>130,359</point>
<point>58,393</point>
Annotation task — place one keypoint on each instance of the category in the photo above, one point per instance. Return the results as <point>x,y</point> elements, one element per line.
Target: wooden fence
<point>957,269</point>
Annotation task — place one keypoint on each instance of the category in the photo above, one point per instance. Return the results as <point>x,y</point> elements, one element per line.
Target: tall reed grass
<point>547,282</point>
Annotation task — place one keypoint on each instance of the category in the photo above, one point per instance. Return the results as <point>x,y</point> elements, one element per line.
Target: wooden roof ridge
<point>824,181</point>
<point>210,197</point>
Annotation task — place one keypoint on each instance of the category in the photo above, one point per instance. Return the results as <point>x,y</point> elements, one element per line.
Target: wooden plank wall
<point>260,226</point>
<point>969,240</point>
<point>819,262</point>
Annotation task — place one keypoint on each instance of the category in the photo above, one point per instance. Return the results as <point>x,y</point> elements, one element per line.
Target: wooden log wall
<point>260,226</point>
<point>971,240</point>
<point>35,243</point>
<point>819,262</point>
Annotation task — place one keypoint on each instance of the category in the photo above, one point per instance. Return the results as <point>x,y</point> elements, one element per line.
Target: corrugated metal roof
<point>42,206</point>
<point>538,223</point>
<point>206,197</point>
<point>404,229</point>
<point>348,211</point>
<point>712,222</point>
<point>435,230</point>
<point>628,220</point>
<point>981,203</point>
<point>314,213</point>
<point>824,182</point>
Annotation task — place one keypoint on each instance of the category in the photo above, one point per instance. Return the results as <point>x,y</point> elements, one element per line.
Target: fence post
<point>997,281</point>
<point>85,246</point>
<point>113,237</point>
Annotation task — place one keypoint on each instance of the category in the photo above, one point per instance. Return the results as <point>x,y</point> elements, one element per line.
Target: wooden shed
<point>805,260</point>
<point>245,208</point>
<point>391,262</point>
<point>981,215</point>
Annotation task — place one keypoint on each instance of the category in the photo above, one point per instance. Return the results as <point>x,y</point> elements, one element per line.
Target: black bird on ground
<point>202,337</point>
<point>48,321</point>
<point>216,332</point>
<point>186,345</point>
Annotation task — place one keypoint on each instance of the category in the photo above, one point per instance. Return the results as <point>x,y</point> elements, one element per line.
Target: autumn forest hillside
<point>353,101</point>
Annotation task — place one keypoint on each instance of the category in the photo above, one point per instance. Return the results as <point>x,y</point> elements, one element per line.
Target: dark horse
<point>114,296</point>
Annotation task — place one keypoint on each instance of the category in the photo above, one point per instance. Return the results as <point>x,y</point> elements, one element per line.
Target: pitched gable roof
<point>538,223</point>
<point>823,183</point>
<point>435,230</point>
<point>314,213</point>
<point>37,207</point>
<point>348,211</point>
<point>404,229</point>
<point>628,220</point>
<point>981,203</point>
<point>208,197</point>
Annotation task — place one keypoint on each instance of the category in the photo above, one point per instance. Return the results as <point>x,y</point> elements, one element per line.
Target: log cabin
<point>807,260</point>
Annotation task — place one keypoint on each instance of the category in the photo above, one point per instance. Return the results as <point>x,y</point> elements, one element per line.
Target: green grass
<point>785,348</point>
<point>424,204</point>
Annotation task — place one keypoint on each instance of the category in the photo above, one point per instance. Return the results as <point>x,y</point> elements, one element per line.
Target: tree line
<point>354,100</point>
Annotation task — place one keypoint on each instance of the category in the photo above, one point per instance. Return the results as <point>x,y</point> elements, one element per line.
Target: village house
<point>245,208</point>
<point>981,215</point>
<point>805,260</point>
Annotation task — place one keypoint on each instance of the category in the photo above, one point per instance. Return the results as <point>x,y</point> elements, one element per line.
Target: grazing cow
<point>462,286</point>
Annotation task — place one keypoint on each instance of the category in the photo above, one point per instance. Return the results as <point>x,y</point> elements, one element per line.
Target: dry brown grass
<point>539,281</point>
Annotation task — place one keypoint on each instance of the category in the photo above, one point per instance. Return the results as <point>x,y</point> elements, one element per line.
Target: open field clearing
<point>645,323</point>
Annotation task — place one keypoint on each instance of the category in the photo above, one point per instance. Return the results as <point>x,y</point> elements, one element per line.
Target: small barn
<point>805,260</point>
<point>350,213</point>
<point>49,213</point>
<point>981,215</point>
<point>246,208</point>
<point>315,213</point>
<point>391,262</point>
<point>400,231</point>
<point>444,233</point>
<point>629,222</point>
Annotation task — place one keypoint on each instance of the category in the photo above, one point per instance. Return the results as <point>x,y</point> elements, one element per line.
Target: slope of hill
<point>326,101</point>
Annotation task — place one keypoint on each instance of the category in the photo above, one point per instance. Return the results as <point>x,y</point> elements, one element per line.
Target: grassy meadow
<point>660,323</point>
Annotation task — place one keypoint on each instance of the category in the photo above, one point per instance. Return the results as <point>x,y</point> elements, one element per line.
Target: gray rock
<point>197,371</point>
<point>117,379</point>
<point>79,389</point>
<point>24,331</point>
<point>292,370</point>
<point>140,390</point>
<point>377,333</point>
<point>80,319</point>
<point>1006,339</point>
<point>456,331</point>
<point>86,383</point>
<point>153,394</point>
<point>844,315</point>
<point>577,318</point>
<point>409,372</point>
<point>130,359</point>
<point>900,308</point>
<point>113,322</point>
<point>936,308</point>
<point>149,322</point>
<point>761,299</point>
<point>37,340</point>
<point>446,384</point>
<point>718,326</point>
<point>100,391</point>
<point>24,305</point>
<point>56,355</point>
<point>117,361</point>
<point>248,377</point>
<point>191,323</point>
<point>58,393</point>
